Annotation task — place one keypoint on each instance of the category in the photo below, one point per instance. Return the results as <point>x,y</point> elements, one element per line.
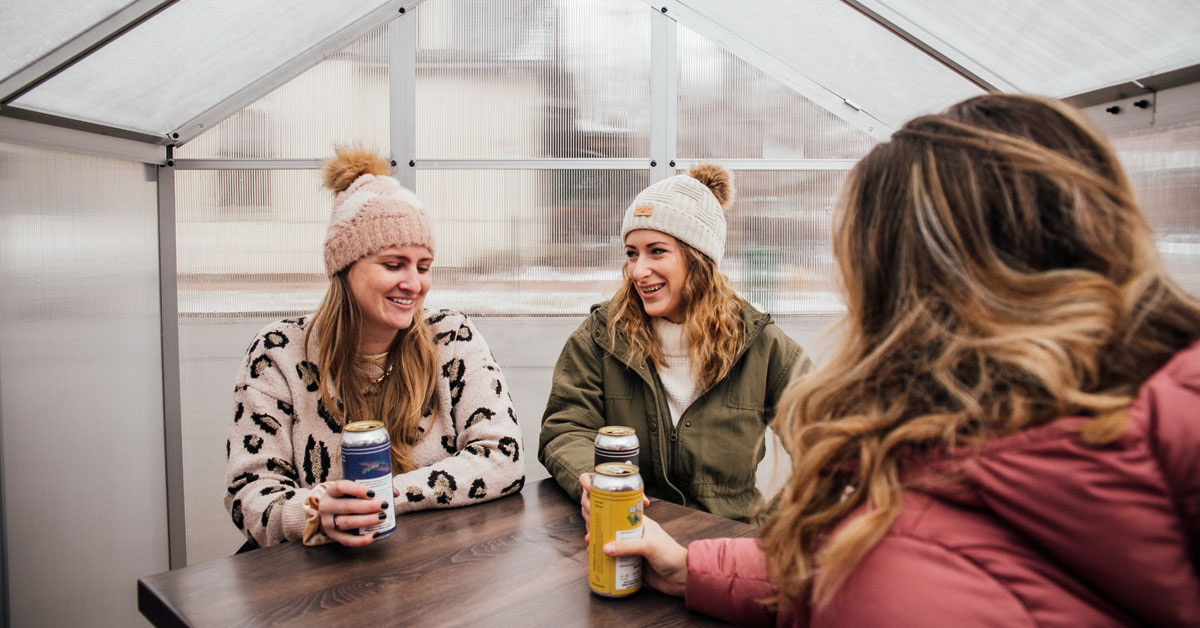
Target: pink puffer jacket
<point>1045,531</point>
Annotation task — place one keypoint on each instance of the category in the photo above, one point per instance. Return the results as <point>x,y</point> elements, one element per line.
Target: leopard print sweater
<point>283,441</point>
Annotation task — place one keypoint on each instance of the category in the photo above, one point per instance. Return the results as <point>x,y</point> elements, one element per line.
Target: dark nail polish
<point>370,494</point>
<point>377,534</point>
<point>383,505</point>
<point>382,516</point>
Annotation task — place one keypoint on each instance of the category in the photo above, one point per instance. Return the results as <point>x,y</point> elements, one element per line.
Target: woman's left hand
<point>666,559</point>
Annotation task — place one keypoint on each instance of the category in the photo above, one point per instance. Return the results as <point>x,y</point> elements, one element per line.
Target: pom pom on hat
<point>371,211</point>
<point>689,207</point>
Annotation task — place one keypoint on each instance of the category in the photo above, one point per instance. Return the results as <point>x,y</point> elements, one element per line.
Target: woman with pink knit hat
<point>677,355</point>
<point>370,351</point>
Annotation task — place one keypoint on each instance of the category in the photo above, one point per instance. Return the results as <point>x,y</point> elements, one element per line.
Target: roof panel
<point>30,30</point>
<point>842,51</point>
<point>1059,48</point>
<point>188,58</point>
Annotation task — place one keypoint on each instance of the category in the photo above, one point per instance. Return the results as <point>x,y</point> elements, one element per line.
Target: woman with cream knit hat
<point>370,351</point>
<point>677,355</point>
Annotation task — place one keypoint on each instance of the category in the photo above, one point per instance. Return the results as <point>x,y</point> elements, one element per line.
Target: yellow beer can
<point>616,514</point>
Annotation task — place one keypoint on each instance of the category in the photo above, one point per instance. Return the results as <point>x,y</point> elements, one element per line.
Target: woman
<point>676,355</point>
<point>1009,433</point>
<point>369,352</point>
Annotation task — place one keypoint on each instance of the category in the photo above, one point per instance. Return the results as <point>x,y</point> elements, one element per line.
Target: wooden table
<point>516,561</point>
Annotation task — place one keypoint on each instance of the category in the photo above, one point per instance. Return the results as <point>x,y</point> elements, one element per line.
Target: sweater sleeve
<point>574,412</point>
<point>788,362</point>
<point>484,460</point>
<point>726,578</point>
<point>263,493</point>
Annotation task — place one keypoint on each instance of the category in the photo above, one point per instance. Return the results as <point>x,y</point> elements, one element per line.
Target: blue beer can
<point>367,459</point>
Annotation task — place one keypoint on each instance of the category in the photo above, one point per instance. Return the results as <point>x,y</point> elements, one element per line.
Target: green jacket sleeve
<point>574,412</point>
<point>788,362</point>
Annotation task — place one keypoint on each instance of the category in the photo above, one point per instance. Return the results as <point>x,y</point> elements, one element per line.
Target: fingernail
<point>382,516</point>
<point>383,505</point>
<point>610,548</point>
<point>376,535</point>
<point>370,494</point>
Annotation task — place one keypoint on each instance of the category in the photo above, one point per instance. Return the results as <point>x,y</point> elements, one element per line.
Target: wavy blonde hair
<point>405,395</point>
<point>998,274</point>
<point>712,319</point>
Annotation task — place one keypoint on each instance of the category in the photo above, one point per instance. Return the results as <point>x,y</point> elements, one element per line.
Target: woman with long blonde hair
<point>677,355</point>
<point>370,351</point>
<point>1009,433</point>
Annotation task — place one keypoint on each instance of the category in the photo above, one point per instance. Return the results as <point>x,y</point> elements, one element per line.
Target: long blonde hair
<point>712,319</point>
<point>998,274</point>
<point>406,393</point>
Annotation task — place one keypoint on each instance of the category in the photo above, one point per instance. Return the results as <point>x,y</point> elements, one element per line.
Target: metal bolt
<point>411,163</point>
<point>1114,110</point>
<point>401,10</point>
<point>653,163</point>
<point>672,163</point>
<point>174,136</point>
<point>393,163</point>
<point>170,162</point>
<point>1141,104</point>
<point>664,9</point>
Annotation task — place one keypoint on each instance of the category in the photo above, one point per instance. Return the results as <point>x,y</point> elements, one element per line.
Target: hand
<point>348,506</point>
<point>666,560</point>
<point>585,504</point>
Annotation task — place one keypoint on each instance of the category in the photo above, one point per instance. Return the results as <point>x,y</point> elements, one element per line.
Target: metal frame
<point>1138,87</point>
<point>664,90</point>
<point>774,68</point>
<point>5,606</point>
<point>402,85</point>
<point>49,136</point>
<point>168,300</point>
<point>775,164</point>
<point>291,69</point>
<point>248,164</point>
<point>80,46</point>
<point>901,27</point>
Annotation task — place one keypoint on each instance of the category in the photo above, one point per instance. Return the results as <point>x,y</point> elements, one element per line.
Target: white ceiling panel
<point>30,30</point>
<point>188,58</point>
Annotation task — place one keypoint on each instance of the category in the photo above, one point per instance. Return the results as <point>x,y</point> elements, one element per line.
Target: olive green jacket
<point>708,460</point>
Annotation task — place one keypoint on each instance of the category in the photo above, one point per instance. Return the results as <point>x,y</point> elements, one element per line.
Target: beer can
<point>367,459</point>
<point>616,515</point>
<point>616,443</point>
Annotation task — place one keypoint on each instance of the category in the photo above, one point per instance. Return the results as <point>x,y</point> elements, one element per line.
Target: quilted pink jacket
<point>1045,531</point>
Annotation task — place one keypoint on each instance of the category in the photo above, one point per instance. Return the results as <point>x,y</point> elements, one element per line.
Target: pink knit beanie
<point>371,211</point>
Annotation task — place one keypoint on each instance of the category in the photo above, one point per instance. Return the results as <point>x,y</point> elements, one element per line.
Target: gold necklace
<point>380,379</point>
<point>378,360</point>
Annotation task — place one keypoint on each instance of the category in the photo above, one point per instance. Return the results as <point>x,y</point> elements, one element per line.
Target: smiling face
<point>658,269</point>
<point>388,288</point>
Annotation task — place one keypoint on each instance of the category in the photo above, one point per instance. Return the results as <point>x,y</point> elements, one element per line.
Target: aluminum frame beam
<point>291,69</point>
<point>41,135</point>
<point>774,68</point>
<point>168,303</point>
<point>79,47</point>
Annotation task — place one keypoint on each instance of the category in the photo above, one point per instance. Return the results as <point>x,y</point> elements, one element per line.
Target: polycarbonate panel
<point>778,251</point>
<point>527,241</point>
<point>31,30</point>
<point>841,50</point>
<point>250,240</point>
<point>188,58</point>
<point>342,100</point>
<point>1065,47</point>
<point>81,384</point>
<point>533,79</point>
<point>1164,166</point>
<point>730,109</point>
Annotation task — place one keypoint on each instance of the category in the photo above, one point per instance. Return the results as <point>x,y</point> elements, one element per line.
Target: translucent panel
<point>306,116</point>
<point>81,384</point>
<point>843,51</point>
<point>1065,47</point>
<point>30,30</point>
<point>527,241</point>
<point>1164,167</point>
<point>778,252</point>
<point>730,109</point>
<point>533,78</point>
<point>188,58</point>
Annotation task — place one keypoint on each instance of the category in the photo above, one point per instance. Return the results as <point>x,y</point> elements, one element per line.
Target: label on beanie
<point>643,210</point>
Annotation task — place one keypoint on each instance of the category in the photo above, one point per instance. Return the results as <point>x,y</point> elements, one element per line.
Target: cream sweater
<point>283,442</point>
<point>677,378</point>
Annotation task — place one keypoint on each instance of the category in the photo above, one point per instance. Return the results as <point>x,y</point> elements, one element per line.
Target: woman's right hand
<point>348,506</point>
<point>585,504</point>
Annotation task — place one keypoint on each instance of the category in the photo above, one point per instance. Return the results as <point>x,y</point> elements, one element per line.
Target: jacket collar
<point>753,322</point>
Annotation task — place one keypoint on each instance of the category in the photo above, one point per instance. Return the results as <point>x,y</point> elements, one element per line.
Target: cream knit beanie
<point>371,211</point>
<point>688,206</point>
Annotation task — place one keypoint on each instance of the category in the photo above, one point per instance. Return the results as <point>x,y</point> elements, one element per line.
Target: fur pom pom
<point>350,163</point>
<point>718,179</point>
